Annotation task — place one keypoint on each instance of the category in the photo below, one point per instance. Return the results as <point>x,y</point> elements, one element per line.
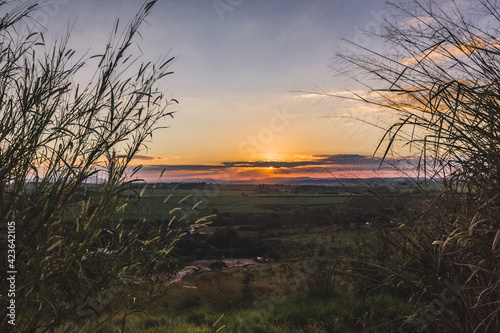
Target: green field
<point>157,203</point>
<point>289,226</point>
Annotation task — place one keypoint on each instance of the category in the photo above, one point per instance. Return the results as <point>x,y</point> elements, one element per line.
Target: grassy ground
<point>154,206</point>
<point>261,298</point>
<point>280,296</point>
<point>222,302</point>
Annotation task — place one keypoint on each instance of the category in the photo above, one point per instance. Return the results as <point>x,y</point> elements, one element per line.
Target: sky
<point>241,74</point>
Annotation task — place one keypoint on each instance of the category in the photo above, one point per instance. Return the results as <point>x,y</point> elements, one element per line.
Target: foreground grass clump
<point>59,138</point>
<point>438,76</point>
<point>296,313</point>
<point>227,301</point>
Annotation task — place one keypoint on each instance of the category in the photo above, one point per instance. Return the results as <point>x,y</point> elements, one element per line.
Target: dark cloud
<point>339,159</point>
<point>195,167</point>
<point>316,164</point>
<point>349,159</point>
<point>145,157</point>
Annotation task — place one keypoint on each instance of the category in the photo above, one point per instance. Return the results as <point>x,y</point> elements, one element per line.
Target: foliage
<point>56,137</point>
<point>439,75</point>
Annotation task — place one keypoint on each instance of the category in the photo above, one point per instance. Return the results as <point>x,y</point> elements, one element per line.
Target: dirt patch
<point>203,265</point>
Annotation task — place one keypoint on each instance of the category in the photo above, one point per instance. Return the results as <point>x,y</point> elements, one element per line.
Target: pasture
<point>155,204</point>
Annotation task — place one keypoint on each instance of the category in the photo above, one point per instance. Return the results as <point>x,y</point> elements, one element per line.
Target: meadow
<point>305,275</point>
<point>227,199</point>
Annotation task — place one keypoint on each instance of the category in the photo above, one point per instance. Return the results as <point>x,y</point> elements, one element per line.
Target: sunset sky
<point>239,71</point>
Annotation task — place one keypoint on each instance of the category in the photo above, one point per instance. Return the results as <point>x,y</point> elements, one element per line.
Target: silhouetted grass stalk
<point>440,78</point>
<point>55,136</point>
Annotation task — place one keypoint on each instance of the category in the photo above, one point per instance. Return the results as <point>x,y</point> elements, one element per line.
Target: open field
<point>155,205</point>
<point>283,233</point>
<point>222,300</point>
<point>275,296</point>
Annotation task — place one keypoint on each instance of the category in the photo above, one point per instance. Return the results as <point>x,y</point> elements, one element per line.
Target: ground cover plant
<point>329,294</point>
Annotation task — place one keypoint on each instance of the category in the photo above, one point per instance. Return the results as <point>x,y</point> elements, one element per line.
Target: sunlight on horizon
<point>243,82</point>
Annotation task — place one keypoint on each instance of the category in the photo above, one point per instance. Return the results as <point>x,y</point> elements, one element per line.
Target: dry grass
<point>440,81</point>
<point>56,136</point>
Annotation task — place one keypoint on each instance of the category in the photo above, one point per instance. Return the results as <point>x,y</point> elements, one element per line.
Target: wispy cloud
<point>323,93</point>
<point>441,52</point>
<point>146,158</point>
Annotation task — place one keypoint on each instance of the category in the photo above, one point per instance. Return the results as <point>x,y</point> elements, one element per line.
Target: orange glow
<point>304,166</point>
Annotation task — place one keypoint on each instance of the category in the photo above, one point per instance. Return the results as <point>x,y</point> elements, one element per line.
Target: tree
<point>439,75</point>
<point>72,256</point>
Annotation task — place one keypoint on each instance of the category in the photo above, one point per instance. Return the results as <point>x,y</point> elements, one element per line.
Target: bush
<point>224,238</point>
<point>217,265</point>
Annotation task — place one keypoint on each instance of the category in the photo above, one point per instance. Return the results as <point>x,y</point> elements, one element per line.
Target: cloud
<point>187,168</point>
<point>266,164</point>
<point>442,52</point>
<point>146,158</point>
<point>344,94</point>
<point>315,160</point>
<point>319,165</point>
<point>348,159</point>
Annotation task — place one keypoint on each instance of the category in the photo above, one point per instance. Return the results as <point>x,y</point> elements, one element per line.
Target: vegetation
<point>441,80</point>
<point>72,256</point>
<point>306,280</point>
<point>378,257</point>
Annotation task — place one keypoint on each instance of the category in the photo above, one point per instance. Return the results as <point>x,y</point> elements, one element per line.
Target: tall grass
<point>440,79</point>
<point>56,135</point>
